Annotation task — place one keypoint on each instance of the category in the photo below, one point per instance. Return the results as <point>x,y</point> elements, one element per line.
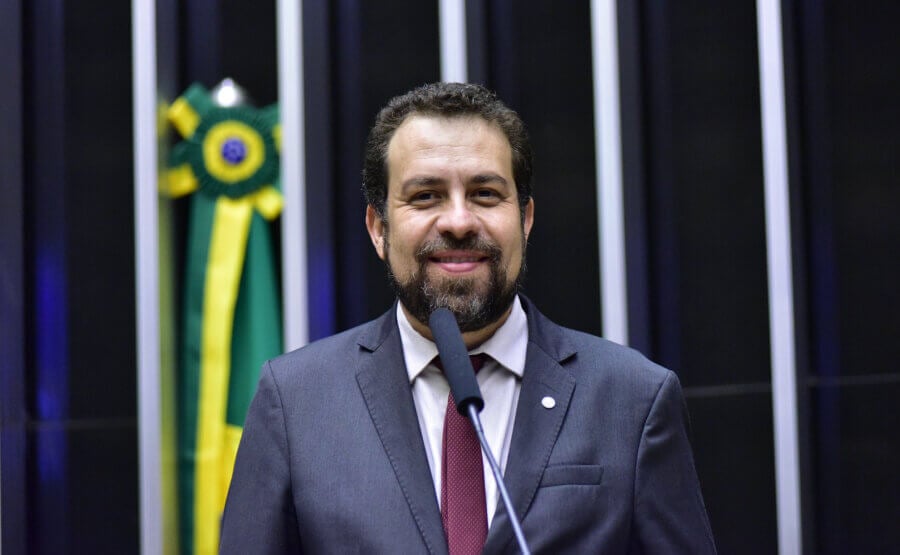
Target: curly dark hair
<point>447,100</point>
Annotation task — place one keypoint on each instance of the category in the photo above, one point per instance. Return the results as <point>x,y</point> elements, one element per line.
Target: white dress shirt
<point>500,380</point>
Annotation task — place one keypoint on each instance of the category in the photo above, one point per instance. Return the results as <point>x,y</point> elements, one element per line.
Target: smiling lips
<point>458,262</point>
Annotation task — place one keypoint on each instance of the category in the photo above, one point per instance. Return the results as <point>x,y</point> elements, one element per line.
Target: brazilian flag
<point>228,162</point>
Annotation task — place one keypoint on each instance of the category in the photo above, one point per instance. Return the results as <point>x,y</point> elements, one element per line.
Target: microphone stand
<point>461,377</point>
<point>498,477</point>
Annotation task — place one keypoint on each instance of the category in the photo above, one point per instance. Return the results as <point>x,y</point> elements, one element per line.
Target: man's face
<point>454,234</point>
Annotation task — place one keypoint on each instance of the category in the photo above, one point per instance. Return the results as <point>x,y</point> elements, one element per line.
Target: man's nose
<point>457,218</point>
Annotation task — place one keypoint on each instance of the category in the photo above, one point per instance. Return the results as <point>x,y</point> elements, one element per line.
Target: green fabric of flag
<point>231,318</point>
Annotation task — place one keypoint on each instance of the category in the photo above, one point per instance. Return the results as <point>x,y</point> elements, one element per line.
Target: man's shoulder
<point>597,354</point>
<point>335,351</point>
<point>610,353</point>
<point>591,358</point>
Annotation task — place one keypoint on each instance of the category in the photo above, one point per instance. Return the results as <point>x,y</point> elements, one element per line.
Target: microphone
<point>455,360</point>
<point>461,376</point>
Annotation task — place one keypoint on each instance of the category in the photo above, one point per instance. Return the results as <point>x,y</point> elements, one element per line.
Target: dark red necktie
<point>463,506</point>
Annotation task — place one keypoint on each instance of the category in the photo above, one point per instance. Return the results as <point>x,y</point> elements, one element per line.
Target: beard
<point>475,304</point>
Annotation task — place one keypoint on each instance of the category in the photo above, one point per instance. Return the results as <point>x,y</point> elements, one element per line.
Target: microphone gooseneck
<point>501,486</point>
<point>464,386</point>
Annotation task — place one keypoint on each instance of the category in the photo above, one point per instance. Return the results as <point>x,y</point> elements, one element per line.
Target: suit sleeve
<point>259,513</point>
<point>669,513</point>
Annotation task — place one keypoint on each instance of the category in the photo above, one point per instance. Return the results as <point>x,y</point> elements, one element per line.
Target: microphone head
<point>455,360</point>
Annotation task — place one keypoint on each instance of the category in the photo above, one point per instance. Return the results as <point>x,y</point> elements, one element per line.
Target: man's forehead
<point>429,132</point>
<point>469,121</point>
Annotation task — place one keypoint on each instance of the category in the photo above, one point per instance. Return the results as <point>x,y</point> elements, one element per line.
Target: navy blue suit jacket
<point>332,460</point>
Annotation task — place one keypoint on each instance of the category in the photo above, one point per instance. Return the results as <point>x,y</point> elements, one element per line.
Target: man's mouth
<point>458,262</point>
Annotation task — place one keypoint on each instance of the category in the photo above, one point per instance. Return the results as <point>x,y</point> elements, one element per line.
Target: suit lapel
<point>385,387</point>
<point>536,428</point>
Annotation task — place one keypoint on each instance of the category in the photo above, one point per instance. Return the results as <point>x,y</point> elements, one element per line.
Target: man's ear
<point>375,226</point>
<point>529,217</point>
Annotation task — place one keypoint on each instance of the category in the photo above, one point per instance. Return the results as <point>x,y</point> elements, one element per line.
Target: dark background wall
<point>845,143</point>
<point>69,480</point>
<point>694,214</point>
<point>706,250</point>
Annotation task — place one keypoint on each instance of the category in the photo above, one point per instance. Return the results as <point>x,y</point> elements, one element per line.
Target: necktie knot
<point>476,360</point>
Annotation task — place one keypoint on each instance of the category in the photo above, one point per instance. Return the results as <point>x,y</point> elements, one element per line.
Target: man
<point>343,448</point>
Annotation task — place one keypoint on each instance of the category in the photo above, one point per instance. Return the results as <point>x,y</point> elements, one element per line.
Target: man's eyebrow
<point>483,178</point>
<point>421,181</point>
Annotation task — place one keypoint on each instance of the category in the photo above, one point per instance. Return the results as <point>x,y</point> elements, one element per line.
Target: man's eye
<point>486,193</point>
<point>424,196</point>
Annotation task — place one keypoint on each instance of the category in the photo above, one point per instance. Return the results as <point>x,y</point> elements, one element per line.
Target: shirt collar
<point>507,346</point>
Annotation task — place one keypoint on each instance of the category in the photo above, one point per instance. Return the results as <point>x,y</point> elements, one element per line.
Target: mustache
<point>472,243</point>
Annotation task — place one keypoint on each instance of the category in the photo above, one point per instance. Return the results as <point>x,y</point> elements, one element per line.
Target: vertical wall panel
<point>477,40</point>
<point>540,64</point>
<point>163,520</point>
<point>12,286</point>
<point>48,487</point>
<point>707,251</point>
<point>633,133</point>
<point>707,194</point>
<point>248,48</point>
<point>83,436</point>
<point>320,149</point>
<point>846,128</point>
<point>382,50</point>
